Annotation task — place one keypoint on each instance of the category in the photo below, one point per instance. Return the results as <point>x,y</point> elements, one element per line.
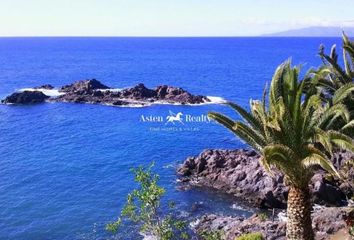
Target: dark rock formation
<point>239,173</point>
<point>93,91</point>
<point>89,91</point>
<point>326,221</point>
<point>26,97</point>
<point>84,86</point>
<point>173,94</point>
<point>138,92</point>
<point>162,93</point>
<point>45,86</point>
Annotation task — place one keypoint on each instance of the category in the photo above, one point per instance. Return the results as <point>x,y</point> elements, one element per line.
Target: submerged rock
<point>325,221</point>
<point>25,97</point>
<point>238,172</point>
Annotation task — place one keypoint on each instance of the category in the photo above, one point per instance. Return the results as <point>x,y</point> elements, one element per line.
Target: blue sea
<point>64,168</point>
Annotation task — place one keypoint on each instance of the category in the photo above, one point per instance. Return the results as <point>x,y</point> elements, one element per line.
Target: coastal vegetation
<point>250,236</point>
<point>294,132</point>
<point>334,82</point>
<point>143,208</point>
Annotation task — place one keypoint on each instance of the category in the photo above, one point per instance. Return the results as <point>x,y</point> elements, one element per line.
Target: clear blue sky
<point>167,17</point>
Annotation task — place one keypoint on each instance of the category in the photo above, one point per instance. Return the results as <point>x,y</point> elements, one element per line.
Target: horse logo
<point>174,117</point>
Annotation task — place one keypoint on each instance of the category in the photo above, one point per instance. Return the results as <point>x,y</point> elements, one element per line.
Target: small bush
<point>250,236</point>
<point>143,207</point>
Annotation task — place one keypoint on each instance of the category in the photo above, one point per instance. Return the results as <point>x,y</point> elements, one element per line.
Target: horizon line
<point>164,36</point>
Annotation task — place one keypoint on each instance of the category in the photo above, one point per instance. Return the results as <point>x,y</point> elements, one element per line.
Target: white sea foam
<point>48,92</point>
<point>194,224</point>
<point>237,207</point>
<point>184,214</point>
<point>216,100</point>
<point>213,100</point>
<point>317,207</point>
<point>282,217</point>
<point>110,90</point>
<point>147,236</point>
<point>56,93</point>
<point>130,105</point>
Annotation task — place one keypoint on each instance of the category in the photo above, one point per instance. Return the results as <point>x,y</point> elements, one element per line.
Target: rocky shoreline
<point>93,91</point>
<point>326,221</point>
<point>238,172</point>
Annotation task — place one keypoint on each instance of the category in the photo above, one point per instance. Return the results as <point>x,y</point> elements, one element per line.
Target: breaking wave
<point>48,92</point>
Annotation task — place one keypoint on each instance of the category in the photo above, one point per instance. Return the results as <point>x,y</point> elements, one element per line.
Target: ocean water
<point>64,168</point>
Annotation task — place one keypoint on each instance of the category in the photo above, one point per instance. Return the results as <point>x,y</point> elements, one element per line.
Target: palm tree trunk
<point>299,225</point>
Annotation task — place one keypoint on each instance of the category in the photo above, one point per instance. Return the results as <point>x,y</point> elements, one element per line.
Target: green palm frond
<point>334,83</point>
<point>282,158</point>
<point>266,166</point>
<point>324,139</point>
<point>343,92</point>
<point>347,64</point>
<point>348,46</point>
<point>243,132</point>
<point>348,127</point>
<point>277,84</point>
<point>316,159</point>
<point>327,117</point>
<point>254,122</point>
<point>341,140</point>
<point>332,61</point>
<point>254,134</point>
<point>294,129</point>
<point>222,119</point>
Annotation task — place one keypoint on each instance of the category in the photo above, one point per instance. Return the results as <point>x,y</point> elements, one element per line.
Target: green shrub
<point>143,208</point>
<point>250,236</point>
<point>351,231</point>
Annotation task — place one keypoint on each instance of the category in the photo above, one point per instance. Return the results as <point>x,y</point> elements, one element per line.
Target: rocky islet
<point>93,91</point>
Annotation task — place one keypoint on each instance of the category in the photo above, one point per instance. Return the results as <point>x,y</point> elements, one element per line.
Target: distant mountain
<point>314,32</point>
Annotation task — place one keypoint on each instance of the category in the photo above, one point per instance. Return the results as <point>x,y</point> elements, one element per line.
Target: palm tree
<point>331,78</point>
<point>338,76</point>
<point>292,133</point>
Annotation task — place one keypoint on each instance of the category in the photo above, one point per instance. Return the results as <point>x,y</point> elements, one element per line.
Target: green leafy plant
<point>142,207</point>
<point>250,236</point>
<point>293,132</point>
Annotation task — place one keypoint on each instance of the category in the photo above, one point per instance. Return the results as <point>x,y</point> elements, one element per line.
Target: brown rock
<point>26,97</point>
<point>239,173</point>
<point>325,221</point>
